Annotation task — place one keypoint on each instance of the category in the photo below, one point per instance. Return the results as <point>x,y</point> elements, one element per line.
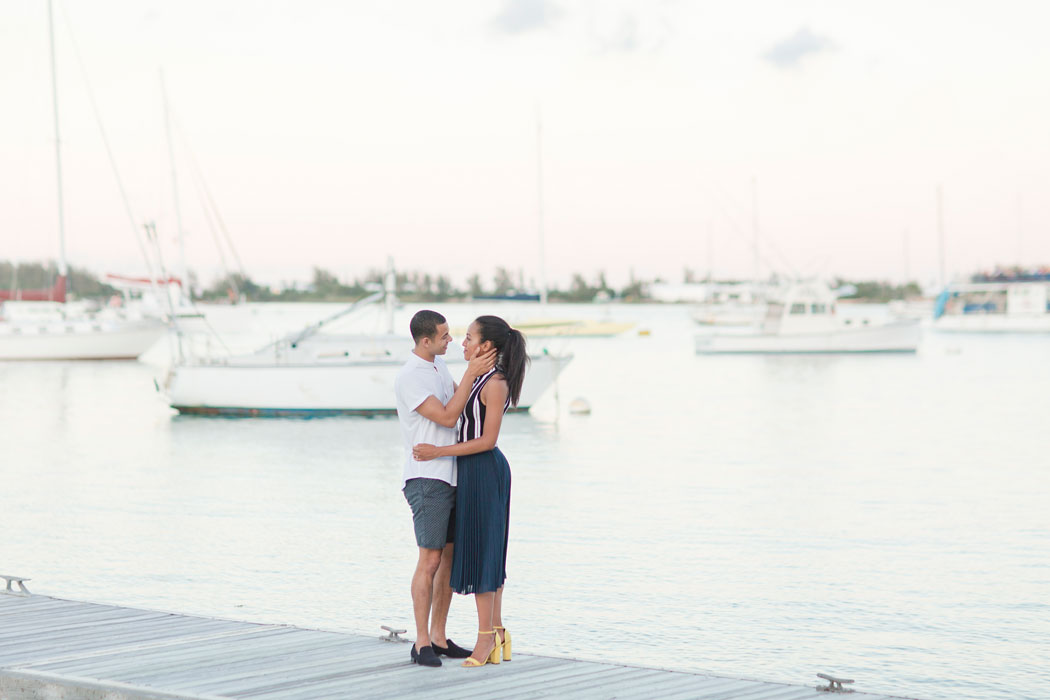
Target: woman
<point>479,562</point>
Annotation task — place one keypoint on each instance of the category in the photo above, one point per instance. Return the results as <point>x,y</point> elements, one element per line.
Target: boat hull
<point>889,338</point>
<point>314,390</point>
<point>80,340</point>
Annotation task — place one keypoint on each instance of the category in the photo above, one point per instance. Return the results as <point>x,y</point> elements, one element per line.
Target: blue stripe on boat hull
<point>241,412</point>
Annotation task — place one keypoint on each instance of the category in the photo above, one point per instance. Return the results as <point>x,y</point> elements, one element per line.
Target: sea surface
<point>883,518</point>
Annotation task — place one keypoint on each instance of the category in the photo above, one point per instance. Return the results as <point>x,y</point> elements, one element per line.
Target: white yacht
<point>1020,304</point>
<point>805,320</point>
<point>312,373</point>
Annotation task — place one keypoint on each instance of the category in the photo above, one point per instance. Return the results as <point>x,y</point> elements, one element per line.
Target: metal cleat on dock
<point>392,634</point>
<point>835,685</point>
<point>19,580</point>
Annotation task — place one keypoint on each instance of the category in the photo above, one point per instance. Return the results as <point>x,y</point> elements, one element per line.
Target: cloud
<point>521,16</point>
<point>790,51</point>
<point>625,38</point>
<point>629,28</point>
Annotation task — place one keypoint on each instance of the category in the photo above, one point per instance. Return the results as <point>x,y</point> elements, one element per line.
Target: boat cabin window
<point>818,308</point>
<point>798,309</point>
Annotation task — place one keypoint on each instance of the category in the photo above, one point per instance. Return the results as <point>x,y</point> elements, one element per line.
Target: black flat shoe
<point>425,656</point>
<point>452,651</point>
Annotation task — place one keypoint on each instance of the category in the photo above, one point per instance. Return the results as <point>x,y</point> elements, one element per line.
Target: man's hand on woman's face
<point>481,363</point>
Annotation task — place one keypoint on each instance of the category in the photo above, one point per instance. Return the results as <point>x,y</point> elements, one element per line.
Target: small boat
<point>570,328</point>
<point>159,298</point>
<point>805,321</point>
<point>1019,304</point>
<point>729,315</point>
<point>512,295</point>
<point>311,373</point>
<point>733,304</point>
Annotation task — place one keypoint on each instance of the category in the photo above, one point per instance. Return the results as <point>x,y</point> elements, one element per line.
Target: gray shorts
<point>433,505</point>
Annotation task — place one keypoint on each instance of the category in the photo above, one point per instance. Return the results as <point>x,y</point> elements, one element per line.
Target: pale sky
<point>337,133</point>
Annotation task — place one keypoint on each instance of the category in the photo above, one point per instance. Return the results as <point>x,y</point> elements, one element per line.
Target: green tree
<point>327,286</point>
<point>444,288</point>
<point>504,281</point>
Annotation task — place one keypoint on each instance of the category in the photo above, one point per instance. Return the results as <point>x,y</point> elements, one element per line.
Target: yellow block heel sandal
<point>506,642</point>
<point>493,658</point>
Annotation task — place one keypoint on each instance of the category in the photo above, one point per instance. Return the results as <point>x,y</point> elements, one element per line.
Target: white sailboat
<point>60,331</point>
<point>312,373</point>
<point>47,331</point>
<point>547,326</point>
<point>805,321</point>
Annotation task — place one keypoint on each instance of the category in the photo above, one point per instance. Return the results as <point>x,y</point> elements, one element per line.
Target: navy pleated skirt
<point>479,562</point>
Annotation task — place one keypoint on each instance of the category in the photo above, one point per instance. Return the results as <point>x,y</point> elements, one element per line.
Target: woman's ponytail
<point>513,356</point>
<point>514,360</point>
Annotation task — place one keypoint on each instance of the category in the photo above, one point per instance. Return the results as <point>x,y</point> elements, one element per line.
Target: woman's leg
<point>485,643</point>
<point>497,617</point>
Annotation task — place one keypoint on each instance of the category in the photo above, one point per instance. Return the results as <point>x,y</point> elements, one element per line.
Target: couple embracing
<point>457,481</point>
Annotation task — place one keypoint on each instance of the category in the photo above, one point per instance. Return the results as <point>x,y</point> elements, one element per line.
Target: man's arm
<point>494,394</point>
<point>448,414</point>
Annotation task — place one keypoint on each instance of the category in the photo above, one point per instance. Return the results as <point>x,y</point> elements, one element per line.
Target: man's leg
<point>422,590</point>
<point>442,598</point>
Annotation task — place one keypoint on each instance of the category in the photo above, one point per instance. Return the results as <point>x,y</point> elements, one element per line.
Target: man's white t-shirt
<point>416,381</point>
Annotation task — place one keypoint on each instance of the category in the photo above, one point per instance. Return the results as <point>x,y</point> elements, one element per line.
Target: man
<point>428,406</point>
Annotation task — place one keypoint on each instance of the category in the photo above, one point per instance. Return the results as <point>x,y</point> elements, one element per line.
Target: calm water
<point>881,518</point>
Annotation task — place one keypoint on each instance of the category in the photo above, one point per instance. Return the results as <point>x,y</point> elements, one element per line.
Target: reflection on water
<point>881,518</point>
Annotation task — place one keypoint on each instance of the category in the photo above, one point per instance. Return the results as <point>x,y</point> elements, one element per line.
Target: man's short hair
<point>425,324</point>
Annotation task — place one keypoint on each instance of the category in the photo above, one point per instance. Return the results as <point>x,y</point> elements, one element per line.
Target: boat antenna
<point>1020,230</point>
<point>390,294</point>
<point>940,234</point>
<point>212,215</point>
<point>151,235</point>
<point>180,234</point>
<point>62,268</point>
<point>754,227</point>
<point>539,205</point>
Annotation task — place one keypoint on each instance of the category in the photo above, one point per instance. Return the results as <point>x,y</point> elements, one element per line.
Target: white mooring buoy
<point>580,407</point>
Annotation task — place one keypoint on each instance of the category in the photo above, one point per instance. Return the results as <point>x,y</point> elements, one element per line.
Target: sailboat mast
<point>183,270</point>
<point>754,228</point>
<point>62,269</point>
<point>539,205</point>
<point>940,236</point>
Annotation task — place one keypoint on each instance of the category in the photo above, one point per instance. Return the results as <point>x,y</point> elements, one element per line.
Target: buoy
<point>580,407</point>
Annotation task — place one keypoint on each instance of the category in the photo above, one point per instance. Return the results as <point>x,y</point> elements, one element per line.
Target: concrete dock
<point>61,650</point>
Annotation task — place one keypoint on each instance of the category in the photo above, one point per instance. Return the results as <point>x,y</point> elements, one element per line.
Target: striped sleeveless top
<point>472,422</point>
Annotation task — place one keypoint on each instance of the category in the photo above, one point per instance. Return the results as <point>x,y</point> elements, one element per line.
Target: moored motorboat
<point>1018,303</point>
<point>805,321</point>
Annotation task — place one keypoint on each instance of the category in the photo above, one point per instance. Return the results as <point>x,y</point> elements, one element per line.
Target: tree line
<point>414,285</point>
<point>411,286</point>
<point>79,282</point>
